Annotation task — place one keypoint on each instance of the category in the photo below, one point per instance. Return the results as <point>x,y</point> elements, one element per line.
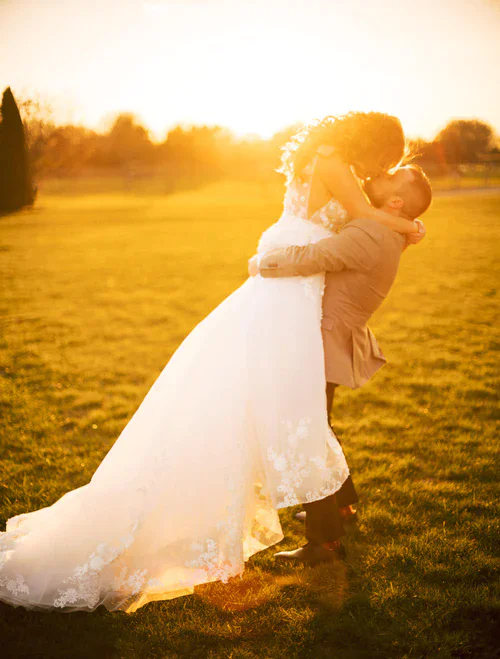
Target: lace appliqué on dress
<point>294,467</point>
<point>15,586</point>
<point>86,581</point>
<point>333,216</point>
<point>222,564</point>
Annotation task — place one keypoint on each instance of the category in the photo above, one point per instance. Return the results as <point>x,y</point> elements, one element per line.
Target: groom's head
<point>406,192</point>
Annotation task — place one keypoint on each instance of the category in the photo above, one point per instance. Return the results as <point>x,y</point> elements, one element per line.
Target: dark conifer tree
<point>16,186</point>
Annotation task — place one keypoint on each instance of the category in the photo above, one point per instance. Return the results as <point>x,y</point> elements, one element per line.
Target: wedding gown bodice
<point>295,227</point>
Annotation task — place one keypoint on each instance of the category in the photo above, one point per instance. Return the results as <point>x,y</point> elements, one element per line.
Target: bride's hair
<point>372,142</point>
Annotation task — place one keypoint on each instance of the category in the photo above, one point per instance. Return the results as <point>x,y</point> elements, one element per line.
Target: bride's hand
<point>253,267</point>
<point>415,238</point>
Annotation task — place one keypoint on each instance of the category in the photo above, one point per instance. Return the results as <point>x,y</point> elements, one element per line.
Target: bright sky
<point>255,65</point>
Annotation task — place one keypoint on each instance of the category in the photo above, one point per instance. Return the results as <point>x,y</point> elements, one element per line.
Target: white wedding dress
<point>234,428</point>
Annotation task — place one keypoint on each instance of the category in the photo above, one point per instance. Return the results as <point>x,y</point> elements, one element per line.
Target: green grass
<point>98,291</point>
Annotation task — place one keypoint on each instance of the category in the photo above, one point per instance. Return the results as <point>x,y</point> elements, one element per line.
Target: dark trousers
<point>323,520</point>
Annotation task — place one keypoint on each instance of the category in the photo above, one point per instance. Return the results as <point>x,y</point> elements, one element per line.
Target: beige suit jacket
<point>361,263</point>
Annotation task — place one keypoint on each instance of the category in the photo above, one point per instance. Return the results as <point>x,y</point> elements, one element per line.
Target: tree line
<point>33,147</point>
<point>188,155</point>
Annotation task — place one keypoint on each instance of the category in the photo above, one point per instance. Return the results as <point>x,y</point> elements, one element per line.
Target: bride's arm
<point>341,183</point>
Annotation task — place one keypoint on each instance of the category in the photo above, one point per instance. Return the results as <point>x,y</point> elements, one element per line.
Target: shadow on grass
<point>277,611</point>
<point>55,635</point>
<point>325,582</point>
<point>482,624</point>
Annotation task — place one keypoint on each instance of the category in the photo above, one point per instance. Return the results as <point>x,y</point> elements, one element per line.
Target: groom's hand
<point>253,268</point>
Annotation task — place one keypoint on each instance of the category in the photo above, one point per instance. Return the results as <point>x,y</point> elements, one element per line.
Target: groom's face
<point>381,188</point>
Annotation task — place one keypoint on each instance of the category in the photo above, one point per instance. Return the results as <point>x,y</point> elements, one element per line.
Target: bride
<point>233,429</point>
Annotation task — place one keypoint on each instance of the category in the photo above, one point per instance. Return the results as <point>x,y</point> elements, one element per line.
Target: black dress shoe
<point>312,554</point>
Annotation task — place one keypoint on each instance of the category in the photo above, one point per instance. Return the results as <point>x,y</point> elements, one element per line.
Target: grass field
<point>98,291</point>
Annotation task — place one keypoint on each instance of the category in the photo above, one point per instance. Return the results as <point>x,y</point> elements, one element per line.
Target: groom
<point>361,263</point>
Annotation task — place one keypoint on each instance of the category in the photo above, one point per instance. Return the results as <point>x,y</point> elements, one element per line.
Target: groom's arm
<point>353,248</point>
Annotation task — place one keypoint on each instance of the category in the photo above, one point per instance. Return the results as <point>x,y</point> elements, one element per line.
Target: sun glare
<point>255,67</point>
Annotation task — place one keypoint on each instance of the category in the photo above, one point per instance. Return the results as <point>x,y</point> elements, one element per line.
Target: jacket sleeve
<point>352,249</point>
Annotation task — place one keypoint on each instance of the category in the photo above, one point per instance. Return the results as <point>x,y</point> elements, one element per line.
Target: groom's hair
<point>416,193</point>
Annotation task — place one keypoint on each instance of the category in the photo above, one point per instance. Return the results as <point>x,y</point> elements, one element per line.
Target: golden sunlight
<point>254,67</point>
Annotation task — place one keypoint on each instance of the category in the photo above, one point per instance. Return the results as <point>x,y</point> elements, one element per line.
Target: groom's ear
<point>395,202</point>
